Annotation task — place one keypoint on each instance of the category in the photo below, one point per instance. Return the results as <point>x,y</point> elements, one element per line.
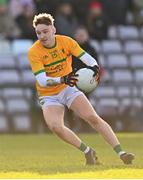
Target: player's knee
<point>57,129</point>
<point>92,118</point>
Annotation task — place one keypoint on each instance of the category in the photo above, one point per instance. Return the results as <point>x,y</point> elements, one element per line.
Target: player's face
<point>46,34</point>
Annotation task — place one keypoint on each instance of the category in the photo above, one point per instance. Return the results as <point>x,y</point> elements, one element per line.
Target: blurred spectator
<point>80,7</point>
<point>96,22</point>
<point>66,21</point>
<point>17,7</point>
<point>24,18</point>
<point>8,27</point>
<point>82,37</point>
<point>116,10</point>
<point>137,10</point>
<point>46,6</point>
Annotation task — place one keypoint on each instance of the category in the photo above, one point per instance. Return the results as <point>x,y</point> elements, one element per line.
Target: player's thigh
<point>83,108</point>
<point>54,116</point>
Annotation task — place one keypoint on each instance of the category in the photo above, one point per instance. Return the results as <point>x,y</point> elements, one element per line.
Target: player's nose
<point>42,36</point>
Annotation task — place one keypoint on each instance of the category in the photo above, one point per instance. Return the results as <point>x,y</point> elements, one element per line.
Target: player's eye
<point>45,32</point>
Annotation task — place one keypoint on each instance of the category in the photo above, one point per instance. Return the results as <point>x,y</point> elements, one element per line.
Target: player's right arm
<point>39,71</point>
<point>41,77</point>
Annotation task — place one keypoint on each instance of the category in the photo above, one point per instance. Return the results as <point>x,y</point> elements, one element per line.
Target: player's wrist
<point>69,79</point>
<point>62,80</point>
<point>94,68</point>
<point>53,81</point>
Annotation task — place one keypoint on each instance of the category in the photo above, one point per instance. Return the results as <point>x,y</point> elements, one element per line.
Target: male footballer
<point>50,58</point>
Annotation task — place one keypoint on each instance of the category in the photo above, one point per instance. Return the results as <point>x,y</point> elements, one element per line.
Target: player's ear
<point>54,30</point>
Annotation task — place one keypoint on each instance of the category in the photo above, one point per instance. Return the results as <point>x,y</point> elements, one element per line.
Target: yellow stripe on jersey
<point>55,62</point>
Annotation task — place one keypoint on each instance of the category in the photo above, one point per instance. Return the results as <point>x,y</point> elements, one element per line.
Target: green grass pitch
<point>46,156</point>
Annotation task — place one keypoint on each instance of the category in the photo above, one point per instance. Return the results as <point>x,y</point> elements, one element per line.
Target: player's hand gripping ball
<point>87,80</point>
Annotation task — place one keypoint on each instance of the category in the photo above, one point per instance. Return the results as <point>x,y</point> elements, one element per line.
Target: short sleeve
<point>36,63</point>
<point>75,49</point>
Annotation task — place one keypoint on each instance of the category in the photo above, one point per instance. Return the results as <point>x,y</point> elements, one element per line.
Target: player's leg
<point>53,116</point>
<point>82,107</point>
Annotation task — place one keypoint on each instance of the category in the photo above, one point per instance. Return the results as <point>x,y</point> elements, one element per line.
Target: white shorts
<point>64,98</point>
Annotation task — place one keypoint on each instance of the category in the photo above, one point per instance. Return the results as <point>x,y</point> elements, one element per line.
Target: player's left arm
<point>90,62</point>
<point>86,58</point>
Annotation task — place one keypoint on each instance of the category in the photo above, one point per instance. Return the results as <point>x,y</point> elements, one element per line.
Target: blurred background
<point>110,30</point>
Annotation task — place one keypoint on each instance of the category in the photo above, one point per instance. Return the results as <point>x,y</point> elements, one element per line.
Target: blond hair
<point>43,18</point>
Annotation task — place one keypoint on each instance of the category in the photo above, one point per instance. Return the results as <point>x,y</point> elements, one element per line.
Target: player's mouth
<point>44,40</point>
